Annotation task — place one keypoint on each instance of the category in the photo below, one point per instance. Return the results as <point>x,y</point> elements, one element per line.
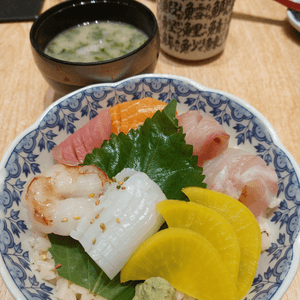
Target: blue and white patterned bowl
<point>30,154</point>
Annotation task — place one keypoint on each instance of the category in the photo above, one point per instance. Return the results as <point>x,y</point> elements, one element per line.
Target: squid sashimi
<point>243,176</point>
<point>125,217</point>
<point>205,134</point>
<point>73,150</point>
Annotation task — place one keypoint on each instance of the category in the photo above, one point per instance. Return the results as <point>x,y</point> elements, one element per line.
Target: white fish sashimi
<point>205,134</point>
<point>243,176</point>
<point>125,217</point>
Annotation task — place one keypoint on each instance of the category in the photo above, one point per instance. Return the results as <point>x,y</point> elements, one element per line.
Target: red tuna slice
<point>243,176</point>
<point>74,148</point>
<point>207,136</point>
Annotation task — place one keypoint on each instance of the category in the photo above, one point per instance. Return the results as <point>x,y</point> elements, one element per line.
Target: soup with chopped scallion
<point>95,42</point>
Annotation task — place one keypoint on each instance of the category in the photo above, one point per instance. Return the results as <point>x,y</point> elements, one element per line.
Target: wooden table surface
<point>260,64</point>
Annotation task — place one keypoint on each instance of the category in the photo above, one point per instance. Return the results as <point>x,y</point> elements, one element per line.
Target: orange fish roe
<point>131,114</point>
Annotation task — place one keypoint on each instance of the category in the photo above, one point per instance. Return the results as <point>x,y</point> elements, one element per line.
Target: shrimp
<point>61,195</point>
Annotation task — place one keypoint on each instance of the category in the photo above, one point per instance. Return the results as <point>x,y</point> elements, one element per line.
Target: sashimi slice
<point>78,146</point>
<point>88,140</point>
<point>243,176</point>
<point>64,153</point>
<point>73,150</point>
<point>131,114</point>
<point>100,128</point>
<point>205,134</point>
<point>125,217</point>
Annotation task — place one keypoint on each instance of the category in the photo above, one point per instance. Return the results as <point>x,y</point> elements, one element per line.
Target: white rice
<point>42,262</point>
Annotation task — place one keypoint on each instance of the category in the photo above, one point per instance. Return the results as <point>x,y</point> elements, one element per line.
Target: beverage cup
<point>194,29</point>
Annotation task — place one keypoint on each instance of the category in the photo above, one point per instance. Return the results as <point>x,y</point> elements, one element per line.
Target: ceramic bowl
<point>65,77</point>
<point>294,17</point>
<point>30,154</point>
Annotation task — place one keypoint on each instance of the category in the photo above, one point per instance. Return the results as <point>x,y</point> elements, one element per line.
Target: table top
<point>260,64</point>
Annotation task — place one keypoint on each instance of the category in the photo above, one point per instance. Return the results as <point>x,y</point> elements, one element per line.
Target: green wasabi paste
<point>154,288</point>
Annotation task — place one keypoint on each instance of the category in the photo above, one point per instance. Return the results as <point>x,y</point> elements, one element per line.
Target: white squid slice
<point>125,217</point>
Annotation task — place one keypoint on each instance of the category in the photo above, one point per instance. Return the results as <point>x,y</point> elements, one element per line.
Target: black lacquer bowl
<point>65,77</point>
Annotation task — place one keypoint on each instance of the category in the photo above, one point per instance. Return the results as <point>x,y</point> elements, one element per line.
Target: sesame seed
<point>97,202</point>
<point>118,220</point>
<point>123,187</point>
<point>126,178</point>
<point>92,221</point>
<point>65,220</point>
<point>44,256</point>
<point>118,187</point>
<point>97,216</point>
<point>120,182</point>
<point>114,179</point>
<point>91,195</point>
<point>103,227</point>
<point>58,266</point>
<point>94,241</point>
<point>76,217</point>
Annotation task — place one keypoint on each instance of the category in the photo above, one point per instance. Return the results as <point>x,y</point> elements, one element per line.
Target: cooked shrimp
<point>62,195</point>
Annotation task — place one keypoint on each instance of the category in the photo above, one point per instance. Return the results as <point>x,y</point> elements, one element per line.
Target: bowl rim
<point>56,9</point>
<point>296,246</point>
<point>292,18</point>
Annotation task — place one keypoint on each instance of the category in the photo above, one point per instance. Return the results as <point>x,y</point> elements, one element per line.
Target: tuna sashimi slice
<point>65,154</point>
<point>78,146</point>
<point>243,176</point>
<point>73,149</point>
<point>205,134</point>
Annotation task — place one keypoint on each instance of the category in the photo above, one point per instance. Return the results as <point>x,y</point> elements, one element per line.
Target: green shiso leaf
<point>79,268</point>
<point>156,148</point>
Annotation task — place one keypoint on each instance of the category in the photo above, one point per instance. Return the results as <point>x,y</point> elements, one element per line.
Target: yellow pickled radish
<point>245,226</point>
<point>173,254</point>
<point>207,222</point>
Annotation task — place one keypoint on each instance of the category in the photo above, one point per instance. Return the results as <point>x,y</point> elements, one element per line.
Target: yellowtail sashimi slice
<point>186,260</point>
<point>245,226</point>
<point>209,224</point>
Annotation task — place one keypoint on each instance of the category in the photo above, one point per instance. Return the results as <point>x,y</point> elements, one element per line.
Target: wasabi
<point>155,288</point>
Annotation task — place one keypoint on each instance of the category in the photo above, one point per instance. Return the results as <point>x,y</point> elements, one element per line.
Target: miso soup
<point>95,42</point>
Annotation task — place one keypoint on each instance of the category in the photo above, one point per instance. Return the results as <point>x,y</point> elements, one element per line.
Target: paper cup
<point>194,29</point>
